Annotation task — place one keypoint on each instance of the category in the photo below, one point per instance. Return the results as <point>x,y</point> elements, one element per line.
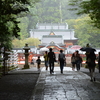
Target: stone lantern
<point>26,48</point>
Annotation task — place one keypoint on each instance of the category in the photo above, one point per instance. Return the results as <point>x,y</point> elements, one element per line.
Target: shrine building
<point>53,35</point>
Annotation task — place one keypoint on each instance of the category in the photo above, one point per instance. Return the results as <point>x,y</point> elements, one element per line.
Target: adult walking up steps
<point>51,59</point>
<point>71,85</point>
<point>61,59</point>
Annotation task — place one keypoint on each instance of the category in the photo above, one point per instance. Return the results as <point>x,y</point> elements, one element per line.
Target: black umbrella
<point>88,49</point>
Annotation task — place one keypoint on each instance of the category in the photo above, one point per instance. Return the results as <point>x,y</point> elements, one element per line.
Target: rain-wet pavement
<point>30,84</point>
<point>71,85</point>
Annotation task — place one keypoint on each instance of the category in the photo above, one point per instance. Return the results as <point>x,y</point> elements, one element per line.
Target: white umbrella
<point>44,49</point>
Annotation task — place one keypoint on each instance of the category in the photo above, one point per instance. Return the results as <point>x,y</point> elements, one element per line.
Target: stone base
<point>26,67</point>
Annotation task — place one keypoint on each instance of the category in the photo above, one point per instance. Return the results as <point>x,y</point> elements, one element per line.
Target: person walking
<point>98,60</point>
<point>38,61</point>
<point>73,61</point>
<point>78,59</point>
<point>46,59</point>
<point>61,59</point>
<point>91,57</point>
<point>51,60</point>
<point>65,63</point>
<point>32,61</point>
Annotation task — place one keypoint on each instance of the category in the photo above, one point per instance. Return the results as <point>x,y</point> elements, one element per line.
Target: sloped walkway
<point>71,85</point>
<point>30,84</point>
<point>18,84</point>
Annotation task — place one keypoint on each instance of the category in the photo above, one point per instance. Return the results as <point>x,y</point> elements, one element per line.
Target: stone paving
<point>71,85</point>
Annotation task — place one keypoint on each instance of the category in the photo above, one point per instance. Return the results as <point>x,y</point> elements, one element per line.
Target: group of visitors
<point>50,58</point>
<point>76,60</point>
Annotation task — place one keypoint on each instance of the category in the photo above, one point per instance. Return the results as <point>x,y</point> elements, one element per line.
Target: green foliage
<point>55,11</point>
<point>90,7</point>
<point>21,43</point>
<point>18,43</point>
<point>23,27</point>
<point>85,31</point>
<point>33,41</point>
<point>10,10</point>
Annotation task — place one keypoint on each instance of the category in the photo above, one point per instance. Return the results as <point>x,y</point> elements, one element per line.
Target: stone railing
<point>12,61</point>
<point>8,62</point>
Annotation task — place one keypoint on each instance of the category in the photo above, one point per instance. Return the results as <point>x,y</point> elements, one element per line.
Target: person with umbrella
<point>98,59</point>
<point>87,48</point>
<point>90,60</point>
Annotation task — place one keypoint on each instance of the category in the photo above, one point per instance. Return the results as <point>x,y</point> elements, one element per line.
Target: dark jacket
<point>38,61</point>
<point>51,56</point>
<point>91,59</point>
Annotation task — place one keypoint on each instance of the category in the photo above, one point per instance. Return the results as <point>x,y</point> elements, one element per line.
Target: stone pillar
<point>26,48</point>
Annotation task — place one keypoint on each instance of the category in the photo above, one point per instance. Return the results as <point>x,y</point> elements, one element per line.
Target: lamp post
<point>26,48</point>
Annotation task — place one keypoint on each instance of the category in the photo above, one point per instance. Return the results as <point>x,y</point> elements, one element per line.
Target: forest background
<point>57,11</point>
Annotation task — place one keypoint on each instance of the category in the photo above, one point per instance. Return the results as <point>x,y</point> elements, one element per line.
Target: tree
<point>54,11</point>
<point>23,25</point>
<point>90,7</point>
<point>16,43</point>
<point>33,42</point>
<point>85,31</point>
<point>9,12</point>
<point>20,43</point>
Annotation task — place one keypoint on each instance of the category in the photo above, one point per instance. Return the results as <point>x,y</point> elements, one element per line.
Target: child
<point>32,61</point>
<point>38,61</point>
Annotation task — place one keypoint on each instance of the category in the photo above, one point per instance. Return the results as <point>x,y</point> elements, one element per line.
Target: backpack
<point>73,59</point>
<point>38,61</point>
<point>51,56</point>
<point>61,56</point>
